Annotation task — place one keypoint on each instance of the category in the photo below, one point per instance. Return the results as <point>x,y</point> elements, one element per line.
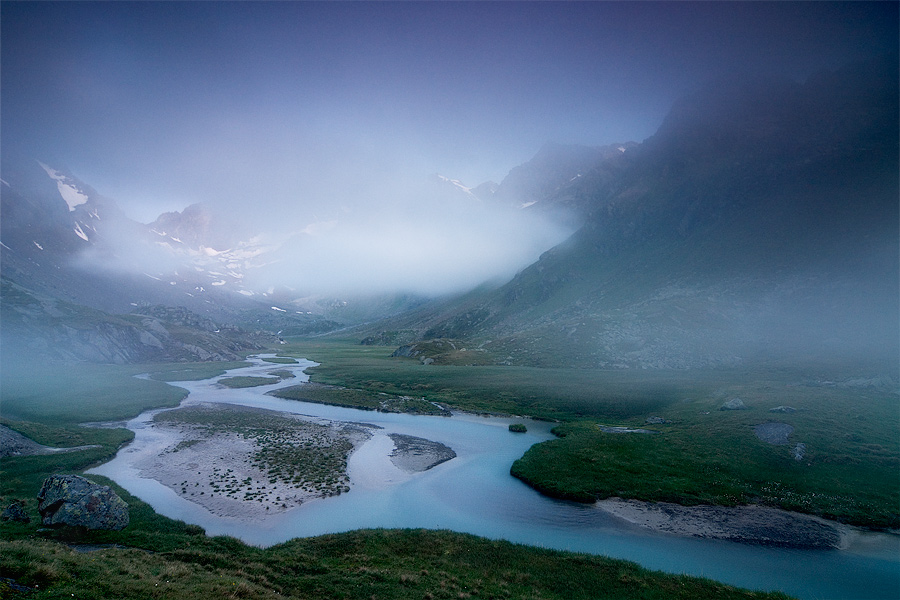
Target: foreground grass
<point>396,564</point>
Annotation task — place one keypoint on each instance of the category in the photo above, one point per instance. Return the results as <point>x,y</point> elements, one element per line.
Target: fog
<point>319,124</point>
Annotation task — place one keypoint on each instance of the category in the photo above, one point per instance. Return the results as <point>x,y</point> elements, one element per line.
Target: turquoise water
<point>474,493</point>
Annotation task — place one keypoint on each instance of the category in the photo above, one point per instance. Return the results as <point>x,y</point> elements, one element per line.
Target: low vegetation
<point>280,360</point>
<point>701,454</point>
<point>245,381</point>
<point>156,557</point>
<point>518,427</point>
<point>844,417</point>
<point>308,456</point>
<point>399,564</point>
<point>360,399</point>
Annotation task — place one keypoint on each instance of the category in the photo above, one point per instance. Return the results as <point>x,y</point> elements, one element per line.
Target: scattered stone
<point>773,433</point>
<point>656,421</point>
<point>799,451</point>
<point>734,404</point>
<point>74,500</point>
<point>15,512</point>
<point>783,409</point>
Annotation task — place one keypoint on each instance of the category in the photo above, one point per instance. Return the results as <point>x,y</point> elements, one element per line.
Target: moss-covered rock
<point>76,501</point>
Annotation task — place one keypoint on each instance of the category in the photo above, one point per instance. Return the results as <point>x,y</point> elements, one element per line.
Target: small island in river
<point>247,463</point>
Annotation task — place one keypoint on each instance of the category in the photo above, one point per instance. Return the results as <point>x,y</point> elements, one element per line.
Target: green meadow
<point>157,557</point>
<point>845,417</point>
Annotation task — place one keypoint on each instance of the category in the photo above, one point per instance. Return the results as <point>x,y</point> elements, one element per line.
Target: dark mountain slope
<point>38,327</point>
<point>760,222</point>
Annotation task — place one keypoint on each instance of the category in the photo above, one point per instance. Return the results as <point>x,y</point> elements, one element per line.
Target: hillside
<point>759,223</point>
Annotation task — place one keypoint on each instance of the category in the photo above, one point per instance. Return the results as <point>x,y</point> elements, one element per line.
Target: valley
<point>681,354</point>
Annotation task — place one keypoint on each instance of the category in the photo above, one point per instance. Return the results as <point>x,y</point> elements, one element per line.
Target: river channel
<point>474,493</point>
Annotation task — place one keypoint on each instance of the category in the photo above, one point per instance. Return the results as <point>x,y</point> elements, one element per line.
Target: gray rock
<point>656,421</point>
<point>74,500</point>
<point>15,512</point>
<point>773,433</point>
<point>799,451</point>
<point>783,409</point>
<point>734,404</point>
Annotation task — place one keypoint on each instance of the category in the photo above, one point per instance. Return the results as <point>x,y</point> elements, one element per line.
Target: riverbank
<point>746,524</point>
<point>13,443</point>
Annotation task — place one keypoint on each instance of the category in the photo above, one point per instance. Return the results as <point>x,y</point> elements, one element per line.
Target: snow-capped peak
<point>67,189</point>
<point>458,185</point>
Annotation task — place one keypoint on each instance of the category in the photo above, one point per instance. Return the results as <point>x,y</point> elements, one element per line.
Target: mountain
<point>759,223</point>
<point>554,180</point>
<point>45,328</point>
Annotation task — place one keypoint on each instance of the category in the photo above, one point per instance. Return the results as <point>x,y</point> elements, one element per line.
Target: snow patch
<point>80,233</point>
<point>152,277</point>
<point>456,183</point>
<point>219,282</point>
<point>621,148</point>
<point>4,183</point>
<point>72,195</point>
<point>38,245</point>
<point>278,309</point>
<point>5,246</point>
<point>527,204</point>
<point>246,292</point>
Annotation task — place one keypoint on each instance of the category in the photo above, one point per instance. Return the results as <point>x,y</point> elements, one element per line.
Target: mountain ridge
<point>731,236</point>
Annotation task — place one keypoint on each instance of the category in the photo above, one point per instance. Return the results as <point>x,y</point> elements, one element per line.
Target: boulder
<point>783,409</point>
<point>15,512</point>
<point>734,404</point>
<point>74,500</point>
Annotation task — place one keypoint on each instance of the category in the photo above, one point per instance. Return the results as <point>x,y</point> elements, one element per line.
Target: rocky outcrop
<point>76,501</point>
<point>734,404</point>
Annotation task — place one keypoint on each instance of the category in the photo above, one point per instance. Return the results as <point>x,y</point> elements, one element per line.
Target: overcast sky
<point>160,105</point>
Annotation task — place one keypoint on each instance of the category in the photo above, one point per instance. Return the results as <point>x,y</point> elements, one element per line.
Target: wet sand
<point>747,524</point>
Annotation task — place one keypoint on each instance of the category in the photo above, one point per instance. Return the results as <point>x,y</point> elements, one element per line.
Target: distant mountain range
<point>759,223</point>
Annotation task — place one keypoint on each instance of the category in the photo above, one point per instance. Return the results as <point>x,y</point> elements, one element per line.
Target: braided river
<point>474,493</point>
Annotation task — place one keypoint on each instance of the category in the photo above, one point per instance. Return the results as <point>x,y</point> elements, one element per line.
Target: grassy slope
<point>703,455</point>
<point>364,564</point>
<point>163,558</point>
